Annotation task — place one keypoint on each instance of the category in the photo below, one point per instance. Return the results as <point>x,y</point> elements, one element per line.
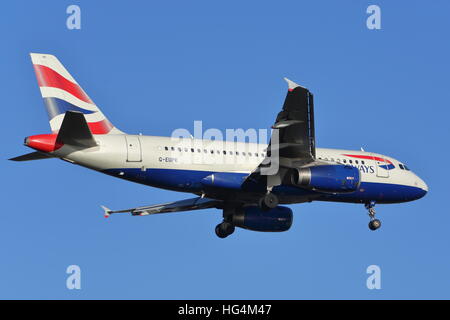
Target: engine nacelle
<point>336,178</point>
<point>253,218</point>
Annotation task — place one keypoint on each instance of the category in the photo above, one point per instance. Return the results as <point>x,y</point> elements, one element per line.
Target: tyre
<point>227,227</point>
<point>219,232</point>
<point>374,224</point>
<point>224,229</point>
<point>270,200</point>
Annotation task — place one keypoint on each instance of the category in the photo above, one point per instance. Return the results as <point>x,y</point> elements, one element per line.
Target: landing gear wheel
<point>269,201</point>
<point>374,224</point>
<point>224,229</point>
<point>219,232</point>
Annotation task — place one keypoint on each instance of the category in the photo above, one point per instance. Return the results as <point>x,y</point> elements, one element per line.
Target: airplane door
<point>134,153</point>
<point>381,167</point>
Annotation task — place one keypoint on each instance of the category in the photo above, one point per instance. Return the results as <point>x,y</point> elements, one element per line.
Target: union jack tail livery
<point>62,93</point>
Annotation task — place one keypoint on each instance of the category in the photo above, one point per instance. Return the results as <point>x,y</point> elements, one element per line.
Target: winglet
<point>107,211</point>
<point>292,85</point>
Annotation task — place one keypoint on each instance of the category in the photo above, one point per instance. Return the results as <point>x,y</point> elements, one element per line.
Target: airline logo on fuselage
<point>381,162</point>
<point>365,169</point>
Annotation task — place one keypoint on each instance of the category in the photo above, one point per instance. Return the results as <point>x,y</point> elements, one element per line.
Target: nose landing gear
<point>374,223</point>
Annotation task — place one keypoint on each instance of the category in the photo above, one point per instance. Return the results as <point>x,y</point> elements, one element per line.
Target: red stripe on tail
<point>47,77</point>
<point>101,127</point>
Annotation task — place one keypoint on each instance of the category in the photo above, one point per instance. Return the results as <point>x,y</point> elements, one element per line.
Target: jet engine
<point>337,178</point>
<point>253,218</point>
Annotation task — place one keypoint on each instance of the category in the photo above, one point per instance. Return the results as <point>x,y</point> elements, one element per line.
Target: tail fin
<point>62,93</point>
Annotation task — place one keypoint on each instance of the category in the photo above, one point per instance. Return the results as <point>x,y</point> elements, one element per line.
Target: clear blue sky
<point>153,67</point>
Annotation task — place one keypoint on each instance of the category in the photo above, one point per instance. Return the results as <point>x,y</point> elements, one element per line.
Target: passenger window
<point>243,153</point>
<point>344,161</point>
<point>356,161</point>
<point>192,150</point>
<point>256,154</point>
<point>212,151</point>
<point>362,161</point>
<point>205,151</point>
<point>249,154</point>
<point>172,148</point>
<point>185,149</point>
<point>237,153</point>
<point>350,161</point>
<point>166,148</point>
<point>224,152</point>
<point>401,166</point>
<point>230,152</point>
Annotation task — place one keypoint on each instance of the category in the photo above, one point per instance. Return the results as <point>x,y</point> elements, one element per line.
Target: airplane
<point>249,182</point>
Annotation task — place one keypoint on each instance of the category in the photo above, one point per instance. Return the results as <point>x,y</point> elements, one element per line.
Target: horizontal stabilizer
<point>31,156</point>
<point>75,131</point>
<point>177,206</point>
<point>106,210</point>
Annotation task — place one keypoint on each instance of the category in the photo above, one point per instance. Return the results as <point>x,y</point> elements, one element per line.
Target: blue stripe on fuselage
<point>191,181</point>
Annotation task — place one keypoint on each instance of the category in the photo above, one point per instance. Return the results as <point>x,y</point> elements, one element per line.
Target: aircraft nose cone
<point>423,188</point>
<point>423,185</point>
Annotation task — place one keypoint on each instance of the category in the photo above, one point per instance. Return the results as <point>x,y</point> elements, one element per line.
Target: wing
<point>177,206</point>
<point>295,125</point>
<point>293,141</point>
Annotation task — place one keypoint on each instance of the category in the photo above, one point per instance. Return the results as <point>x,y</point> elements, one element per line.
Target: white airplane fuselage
<point>150,160</point>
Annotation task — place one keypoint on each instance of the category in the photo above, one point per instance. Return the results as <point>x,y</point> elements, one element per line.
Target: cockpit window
<point>403,166</point>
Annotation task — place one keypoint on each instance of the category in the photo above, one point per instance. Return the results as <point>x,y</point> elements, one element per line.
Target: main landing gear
<point>227,227</point>
<point>269,201</point>
<point>374,223</point>
<point>224,229</point>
